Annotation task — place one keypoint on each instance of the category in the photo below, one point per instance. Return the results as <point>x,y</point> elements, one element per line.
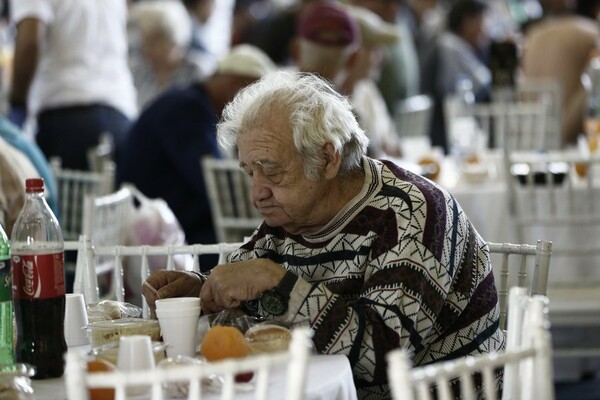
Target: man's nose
<point>260,191</point>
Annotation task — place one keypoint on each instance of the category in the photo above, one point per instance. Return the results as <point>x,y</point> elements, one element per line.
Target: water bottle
<point>591,83</point>
<point>39,284</point>
<point>7,357</point>
<point>463,130</point>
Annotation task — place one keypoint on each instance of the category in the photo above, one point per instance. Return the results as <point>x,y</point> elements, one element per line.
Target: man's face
<point>281,192</point>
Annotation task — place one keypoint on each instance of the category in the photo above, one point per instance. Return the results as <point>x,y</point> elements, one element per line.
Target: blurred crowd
<point>156,74</point>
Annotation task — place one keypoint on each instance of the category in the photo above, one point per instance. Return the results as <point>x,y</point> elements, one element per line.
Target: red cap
<point>34,185</point>
<point>328,25</point>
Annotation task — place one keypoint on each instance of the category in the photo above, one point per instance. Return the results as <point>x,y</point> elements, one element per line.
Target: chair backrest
<point>193,377</point>
<point>505,125</point>
<point>546,91</point>
<point>522,265</point>
<point>555,191</point>
<point>412,116</point>
<point>86,280</point>
<point>526,363</point>
<point>72,187</point>
<point>228,190</point>
<point>101,153</point>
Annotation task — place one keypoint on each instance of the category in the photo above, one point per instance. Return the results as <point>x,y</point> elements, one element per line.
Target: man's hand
<point>164,284</point>
<point>230,285</point>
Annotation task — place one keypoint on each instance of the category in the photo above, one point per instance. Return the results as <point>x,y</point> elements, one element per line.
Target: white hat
<point>245,60</point>
<point>373,29</point>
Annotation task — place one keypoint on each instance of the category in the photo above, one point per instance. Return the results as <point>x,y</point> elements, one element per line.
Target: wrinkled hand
<point>231,284</point>
<point>170,284</point>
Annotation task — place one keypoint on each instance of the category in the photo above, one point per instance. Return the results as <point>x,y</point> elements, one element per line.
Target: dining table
<point>329,377</point>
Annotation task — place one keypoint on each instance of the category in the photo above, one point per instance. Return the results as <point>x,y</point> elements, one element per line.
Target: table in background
<point>329,378</point>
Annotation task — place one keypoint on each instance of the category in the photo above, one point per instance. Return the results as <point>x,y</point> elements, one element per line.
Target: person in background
<point>559,48</point>
<point>329,43</point>
<point>15,168</point>
<point>70,74</point>
<point>14,137</point>
<point>163,150</point>
<point>459,57</point>
<point>400,76</point>
<point>373,256</point>
<point>164,59</point>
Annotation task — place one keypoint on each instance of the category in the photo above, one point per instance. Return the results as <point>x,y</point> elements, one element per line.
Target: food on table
<point>268,338</point>
<point>430,167</point>
<point>222,342</point>
<point>99,365</point>
<point>103,332</point>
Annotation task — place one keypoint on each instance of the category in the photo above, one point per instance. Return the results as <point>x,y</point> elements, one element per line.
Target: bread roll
<point>268,338</point>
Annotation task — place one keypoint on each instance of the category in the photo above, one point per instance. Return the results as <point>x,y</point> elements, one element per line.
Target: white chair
<point>504,125</point>
<point>413,116</point>
<point>522,265</point>
<point>546,91</point>
<point>228,190</point>
<point>101,153</point>
<point>550,196</point>
<point>86,278</point>
<point>72,187</point>
<point>526,363</point>
<point>295,360</point>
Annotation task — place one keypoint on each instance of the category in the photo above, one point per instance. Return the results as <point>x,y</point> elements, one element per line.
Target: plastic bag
<point>110,309</point>
<point>152,223</point>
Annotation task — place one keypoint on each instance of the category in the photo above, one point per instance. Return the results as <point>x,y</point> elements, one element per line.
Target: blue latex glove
<point>17,115</point>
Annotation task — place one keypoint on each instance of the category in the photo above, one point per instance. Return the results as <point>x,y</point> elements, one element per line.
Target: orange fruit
<point>222,342</point>
<point>99,365</point>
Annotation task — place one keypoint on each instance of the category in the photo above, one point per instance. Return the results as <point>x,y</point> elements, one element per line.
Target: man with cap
<point>162,151</point>
<point>342,44</point>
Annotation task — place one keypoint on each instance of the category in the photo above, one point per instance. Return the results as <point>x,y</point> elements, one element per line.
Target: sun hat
<point>245,60</point>
<point>328,24</point>
<point>373,29</point>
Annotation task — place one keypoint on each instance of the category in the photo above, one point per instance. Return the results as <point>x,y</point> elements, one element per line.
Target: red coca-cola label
<point>39,276</point>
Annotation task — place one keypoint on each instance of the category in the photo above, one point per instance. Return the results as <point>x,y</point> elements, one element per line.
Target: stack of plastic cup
<point>178,319</point>
<point>76,320</point>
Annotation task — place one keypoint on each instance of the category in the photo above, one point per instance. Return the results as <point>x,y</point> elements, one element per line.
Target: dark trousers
<point>68,132</point>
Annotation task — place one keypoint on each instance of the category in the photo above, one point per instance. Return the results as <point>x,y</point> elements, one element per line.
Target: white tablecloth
<point>329,378</point>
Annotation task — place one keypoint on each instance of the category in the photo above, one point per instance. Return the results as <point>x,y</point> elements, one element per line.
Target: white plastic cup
<point>179,328</point>
<point>135,353</point>
<point>76,320</point>
<point>177,303</point>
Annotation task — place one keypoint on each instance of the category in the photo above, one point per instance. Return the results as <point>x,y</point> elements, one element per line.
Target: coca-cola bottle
<point>39,284</point>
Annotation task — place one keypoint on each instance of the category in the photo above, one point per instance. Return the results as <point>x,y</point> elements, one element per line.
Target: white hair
<point>317,114</point>
<point>166,17</point>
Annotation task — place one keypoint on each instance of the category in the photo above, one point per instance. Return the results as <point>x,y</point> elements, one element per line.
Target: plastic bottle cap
<point>34,185</point>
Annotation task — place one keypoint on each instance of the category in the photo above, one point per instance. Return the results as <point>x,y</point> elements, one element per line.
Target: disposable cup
<point>177,303</point>
<point>135,353</point>
<point>185,312</point>
<point>76,320</point>
<point>179,330</point>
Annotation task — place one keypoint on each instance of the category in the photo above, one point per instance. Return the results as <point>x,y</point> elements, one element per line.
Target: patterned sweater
<point>399,266</point>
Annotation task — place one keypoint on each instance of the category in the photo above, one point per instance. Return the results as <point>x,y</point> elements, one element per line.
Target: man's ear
<point>333,161</point>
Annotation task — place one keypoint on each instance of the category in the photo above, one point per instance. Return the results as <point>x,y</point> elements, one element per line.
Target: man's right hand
<point>164,284</point>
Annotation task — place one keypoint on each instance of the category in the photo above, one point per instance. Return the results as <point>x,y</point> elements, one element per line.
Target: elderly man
<point>373,256</point>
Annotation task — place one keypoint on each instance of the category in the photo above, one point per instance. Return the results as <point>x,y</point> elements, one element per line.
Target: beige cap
<point>245,60</point>
<point>373,29</point>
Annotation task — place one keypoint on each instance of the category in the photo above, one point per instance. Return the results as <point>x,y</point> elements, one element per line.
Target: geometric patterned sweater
<point>399,266</point>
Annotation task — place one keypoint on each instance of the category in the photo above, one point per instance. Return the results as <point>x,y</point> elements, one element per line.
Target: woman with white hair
<point>372,256</point>
<point>163,59</point>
